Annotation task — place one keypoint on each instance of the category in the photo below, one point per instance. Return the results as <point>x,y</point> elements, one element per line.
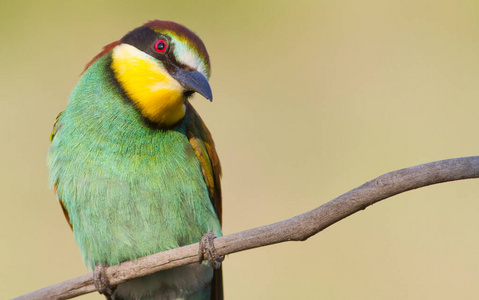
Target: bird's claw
<point>101,281</point>
<point>208,251</point>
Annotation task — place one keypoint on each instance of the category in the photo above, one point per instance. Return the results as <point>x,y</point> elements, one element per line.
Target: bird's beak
<point>193,81</point>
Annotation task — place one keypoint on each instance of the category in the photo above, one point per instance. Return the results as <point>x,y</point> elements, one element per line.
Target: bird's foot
<point>208,250</point>
<point>101,281</point>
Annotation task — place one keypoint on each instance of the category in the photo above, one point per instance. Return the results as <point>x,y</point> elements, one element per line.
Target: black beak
<point>193,81</point>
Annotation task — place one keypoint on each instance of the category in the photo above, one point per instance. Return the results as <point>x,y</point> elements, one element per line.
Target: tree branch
<point>298,228</point>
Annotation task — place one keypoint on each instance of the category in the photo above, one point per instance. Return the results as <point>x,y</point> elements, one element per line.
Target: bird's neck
<point>99,106</point>
<point>157,95</point>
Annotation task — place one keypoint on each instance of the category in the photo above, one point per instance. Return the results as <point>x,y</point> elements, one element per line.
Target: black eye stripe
<point>146,39</point>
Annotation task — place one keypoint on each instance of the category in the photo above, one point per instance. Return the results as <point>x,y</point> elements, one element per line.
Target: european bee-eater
<point>134,167</point>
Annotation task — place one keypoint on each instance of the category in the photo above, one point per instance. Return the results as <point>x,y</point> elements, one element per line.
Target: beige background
<point>312,98</point>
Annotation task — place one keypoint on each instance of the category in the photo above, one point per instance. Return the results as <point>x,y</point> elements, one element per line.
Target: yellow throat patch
<point>158,96</point>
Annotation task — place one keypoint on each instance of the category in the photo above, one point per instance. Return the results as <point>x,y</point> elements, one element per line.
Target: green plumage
<point>130,189</point>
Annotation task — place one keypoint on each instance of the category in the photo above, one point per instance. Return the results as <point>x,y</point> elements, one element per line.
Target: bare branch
<point>298,228</point>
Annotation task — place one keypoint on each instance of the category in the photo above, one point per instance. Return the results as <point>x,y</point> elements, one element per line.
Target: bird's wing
<point>56,127</point>
<point>202,142</point>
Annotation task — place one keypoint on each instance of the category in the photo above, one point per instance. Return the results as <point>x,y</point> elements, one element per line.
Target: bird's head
<point>159,65</point>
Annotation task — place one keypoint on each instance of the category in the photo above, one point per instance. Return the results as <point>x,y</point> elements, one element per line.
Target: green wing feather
<point>56,127</point>
<point>204,146</point>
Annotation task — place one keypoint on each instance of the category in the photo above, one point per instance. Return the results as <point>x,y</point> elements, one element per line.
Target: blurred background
<point>312,98</point>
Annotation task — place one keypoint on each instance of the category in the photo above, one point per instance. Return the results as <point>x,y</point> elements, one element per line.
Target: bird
<point>133,165</point>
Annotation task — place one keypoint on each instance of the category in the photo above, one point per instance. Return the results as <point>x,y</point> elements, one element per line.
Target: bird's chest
<point>129,164</point>
<point>132,196</point>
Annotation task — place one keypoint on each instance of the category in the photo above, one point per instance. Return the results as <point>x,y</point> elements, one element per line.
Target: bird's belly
<point>185,282</point>
<point>120,220</point>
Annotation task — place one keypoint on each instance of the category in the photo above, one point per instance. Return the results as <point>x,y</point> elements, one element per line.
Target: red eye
<point>161,46</point>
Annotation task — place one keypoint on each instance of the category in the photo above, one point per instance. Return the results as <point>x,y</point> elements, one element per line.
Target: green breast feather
<point>130,190</point>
